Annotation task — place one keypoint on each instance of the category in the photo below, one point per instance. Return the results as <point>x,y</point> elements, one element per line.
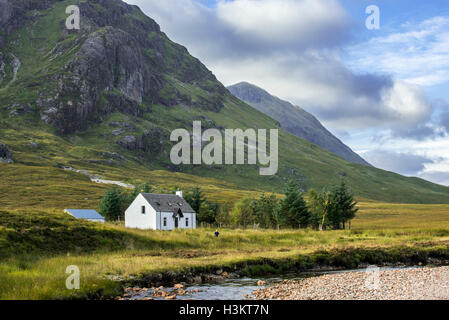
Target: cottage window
<point>187,222</point>
<point>143,209</point>
<point>165,221</point>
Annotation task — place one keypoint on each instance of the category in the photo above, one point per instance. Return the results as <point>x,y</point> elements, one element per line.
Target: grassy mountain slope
<point>294,120</point>
<point>106,98</point>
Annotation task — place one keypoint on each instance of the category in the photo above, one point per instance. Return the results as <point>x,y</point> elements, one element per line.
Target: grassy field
<point>52,187</point>
<point>38,241</point>
<point>37,246</point>
<point>378,216</point>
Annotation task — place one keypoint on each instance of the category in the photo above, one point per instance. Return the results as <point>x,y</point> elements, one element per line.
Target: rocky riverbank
<point>391,284</point>
<point>303,265</point>
<point>170,293</point>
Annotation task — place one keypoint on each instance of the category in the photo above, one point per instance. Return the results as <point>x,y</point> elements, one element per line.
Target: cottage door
<point>176,222</point>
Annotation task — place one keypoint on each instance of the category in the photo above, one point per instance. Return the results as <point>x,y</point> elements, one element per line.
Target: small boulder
<point>5,154</point>
<point>261,283</point>
<point>178,286</point>
<point>117,132</point>
<point>18,109</point>
<point>128,142</point>
<point>33,145</point>
<point>197,280</point>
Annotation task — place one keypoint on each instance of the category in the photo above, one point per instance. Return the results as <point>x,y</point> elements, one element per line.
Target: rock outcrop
<point>5,154</point>
<point>150,140</point>
<point>119,61</point>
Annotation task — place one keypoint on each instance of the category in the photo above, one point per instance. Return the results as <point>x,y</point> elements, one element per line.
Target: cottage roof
<point>84,214</point>
<point>168,203</point>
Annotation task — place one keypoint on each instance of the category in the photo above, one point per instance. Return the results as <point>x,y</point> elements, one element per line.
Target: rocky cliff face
<point>294,120</point>
<point>118,61</point>
<point>109,66</point>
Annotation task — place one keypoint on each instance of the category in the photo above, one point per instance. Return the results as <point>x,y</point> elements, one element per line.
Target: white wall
<point>171,221</point>
<point>134,217</point>
<point>192,221</point>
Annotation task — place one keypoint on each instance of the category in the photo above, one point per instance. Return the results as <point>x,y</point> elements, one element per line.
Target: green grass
<point>36,246</point>
<point>377,216</point>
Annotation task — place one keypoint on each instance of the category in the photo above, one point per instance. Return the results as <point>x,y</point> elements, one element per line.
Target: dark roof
<point>84,214</point>
<point>167,203</point>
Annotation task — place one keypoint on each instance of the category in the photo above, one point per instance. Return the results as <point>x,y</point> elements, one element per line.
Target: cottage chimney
<point>179,193</point>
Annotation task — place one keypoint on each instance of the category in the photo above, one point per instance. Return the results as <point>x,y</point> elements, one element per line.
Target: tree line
<point>330,208</point>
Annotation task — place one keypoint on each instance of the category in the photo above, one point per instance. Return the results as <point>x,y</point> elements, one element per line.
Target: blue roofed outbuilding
<point>88,214</point>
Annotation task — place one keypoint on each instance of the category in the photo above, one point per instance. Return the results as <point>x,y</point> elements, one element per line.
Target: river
<point>237,289</point>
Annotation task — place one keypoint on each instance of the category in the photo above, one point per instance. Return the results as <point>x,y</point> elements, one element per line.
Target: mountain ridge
<point>294,119</point>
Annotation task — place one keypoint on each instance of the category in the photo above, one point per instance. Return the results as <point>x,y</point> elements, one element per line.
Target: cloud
<point>440,177</point>
<point>403,163</point>
<point>417,55</point>
<point>443,116</point>
<point>250,28</point>
<point>294,49</point>
<point>285,24</point>
<point>318,81</point>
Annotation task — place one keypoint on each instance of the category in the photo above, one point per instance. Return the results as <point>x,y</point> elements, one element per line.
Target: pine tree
<point>195,199</point>
<point>316,207</point>
<point>204,214</point>
<point>264,209</point>
<point>347,204</point>
<point>343,207</point>
<point>146,188</point>
<point>111,205</point>
<point>293,210</point>
<point>299,214</point>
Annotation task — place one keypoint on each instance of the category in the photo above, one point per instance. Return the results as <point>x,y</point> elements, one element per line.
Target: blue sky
<point>384,92</point>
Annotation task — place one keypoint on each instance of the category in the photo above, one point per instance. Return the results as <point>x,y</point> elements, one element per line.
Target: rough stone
<point>33,145</point>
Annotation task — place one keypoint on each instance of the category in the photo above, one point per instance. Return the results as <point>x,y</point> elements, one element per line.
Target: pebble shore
<point>169,293</point>
<point>394,284</point>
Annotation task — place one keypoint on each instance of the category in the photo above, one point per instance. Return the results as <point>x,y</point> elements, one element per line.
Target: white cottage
<point>160,212</point>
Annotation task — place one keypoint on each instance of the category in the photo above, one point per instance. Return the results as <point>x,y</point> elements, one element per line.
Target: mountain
<point>104,100</point>
<point>294,120</point>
